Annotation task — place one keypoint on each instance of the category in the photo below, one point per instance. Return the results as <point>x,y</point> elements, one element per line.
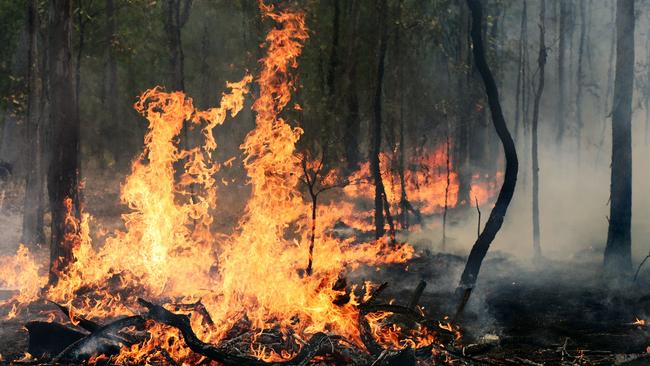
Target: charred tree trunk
<point>375,169</point>
<point>63,167</point>
<point>521,71</point>
<point>333,61</point>
<point>541,63</point>
<point>33,233</point>
<point>495,220</point>
<point>580,78</point>
<point>352,123</point>
<point>111,126</point>
<point>618,261</point>
<point>465,108</point>
<point>176,14</point>
<point>561,77</point>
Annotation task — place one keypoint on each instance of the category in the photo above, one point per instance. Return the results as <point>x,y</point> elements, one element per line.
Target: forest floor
<point>553,313</point>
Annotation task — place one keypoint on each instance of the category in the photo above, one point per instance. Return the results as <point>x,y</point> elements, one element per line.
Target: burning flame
<point>168,251</point>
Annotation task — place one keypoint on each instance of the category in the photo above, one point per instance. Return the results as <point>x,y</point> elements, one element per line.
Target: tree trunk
<point>33,233</point>
<point>352,127</point>
<point>580,78</point>
<point>63,166</point>
<point>541,63</point>
<point>495,220</point>
<point>377,122</point>
<point>110,105</point>
<point>176,14</point>
<point>561,62</point>
<point>465,108</point>
<point>618,259</point>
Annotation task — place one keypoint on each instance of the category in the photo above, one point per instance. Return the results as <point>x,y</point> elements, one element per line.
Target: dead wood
<point>318,341</point>
<point>199,308</point>
<point>86,324</point>
<point>415,298</point>
<point>49,339</point>
<point>106,340</point>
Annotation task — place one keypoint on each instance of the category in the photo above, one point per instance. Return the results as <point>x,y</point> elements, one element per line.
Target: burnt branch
<point>318,341</point>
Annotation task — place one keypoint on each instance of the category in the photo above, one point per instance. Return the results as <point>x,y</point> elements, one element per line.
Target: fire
<point>639,322</point>
<point>168,252</point>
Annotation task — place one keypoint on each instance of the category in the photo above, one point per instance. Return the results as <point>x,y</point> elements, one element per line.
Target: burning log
<point>49,339</point>
<point>103,341</point>
<point>182,323</point>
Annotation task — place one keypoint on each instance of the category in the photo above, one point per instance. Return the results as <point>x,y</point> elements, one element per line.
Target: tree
<point>176,13</point>
<point>618,256</point>
<point>33,233</point>
<point>495,220</point>
<point>63,167</point>
<point>375,170</point>
<point>541,62</point>
<point>561,62</point>
<point>109,93</point>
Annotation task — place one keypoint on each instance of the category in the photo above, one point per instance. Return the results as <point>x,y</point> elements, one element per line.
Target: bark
<point>63,167</point>
<point>561,62</point>
<point>377,122</point>
<point>495,220</point>
<point>465,107</point>
<point>176,14</point>
<point>33,233</point>
<point>541,63</point>
<point>618,261</point>
<point>521,80</point>
<point>110,93</point>
<point>580,77</point>
<point>333,61</point>
<point>352,123</point>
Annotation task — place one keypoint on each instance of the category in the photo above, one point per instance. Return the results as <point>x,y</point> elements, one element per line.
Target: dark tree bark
<point>63,167</point>
<point>176,14</point>
<point>334,48</point>
<point>495,220</point>
<point>111,125</point>
<point>580,77</point>
<point>618,258</point>
<point>521,68</point>
<point>541,63</point>
<point>561,62</point>
<point>375,169</point>
<point>466,104</point>
<point>352,123</point>
<point>33,233</point>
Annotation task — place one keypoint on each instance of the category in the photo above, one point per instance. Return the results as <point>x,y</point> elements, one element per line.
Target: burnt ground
<point>553,313</point>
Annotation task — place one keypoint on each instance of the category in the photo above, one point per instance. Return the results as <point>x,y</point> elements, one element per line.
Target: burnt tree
<point>618,257</point>
<point>495,220</point>
<point>176,14</point>
<point>541,63</point>
<point>109,92</point>
<point>375,169</point>
<point>63,167</point>
<point>33,233</point>
<point>351,121</point>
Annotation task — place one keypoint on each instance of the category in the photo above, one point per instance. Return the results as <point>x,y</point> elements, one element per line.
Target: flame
<point>168,251</point>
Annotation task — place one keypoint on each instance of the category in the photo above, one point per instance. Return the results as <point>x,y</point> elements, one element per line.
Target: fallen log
<point>182,323</point>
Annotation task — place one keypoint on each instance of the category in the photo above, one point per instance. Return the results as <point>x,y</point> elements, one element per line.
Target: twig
<point>478,227</point>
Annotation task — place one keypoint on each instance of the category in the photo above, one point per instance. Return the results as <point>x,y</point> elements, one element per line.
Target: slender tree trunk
<point>618,258</point>
<point>647,93</point>
<point>520,69</point>
<point>561,77</point>
<point>495,220</point>
<point>33,233</point>
<point>333,62</point>
<point>465,107</point>
<point>63,166</point>
<point>541,63</point>
<point>377,122</point>
<point>580,78</point>
<point>110,95</point>
<point>352,122</point>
